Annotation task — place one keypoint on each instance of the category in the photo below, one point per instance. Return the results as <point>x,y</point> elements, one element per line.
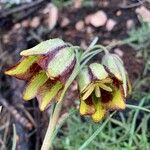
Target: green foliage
<point>65,3</point>
<point>127,130</point>
<point>62,3</point>
<point>139,38</point>
<point>119,132</point>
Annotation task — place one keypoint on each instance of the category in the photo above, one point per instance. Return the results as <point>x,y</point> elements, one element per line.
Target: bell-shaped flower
<point>115,67</point>
<point>99,92</point>
<point>46,68</point>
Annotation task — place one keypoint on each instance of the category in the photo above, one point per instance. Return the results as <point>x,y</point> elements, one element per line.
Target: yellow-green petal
<point>110,62</point>
<point>97,91</point>
<point>84,79</point>
<point>116,67</point>
<point>86,109</point>
<point>22,67</point>
<point>44,47</point>
<point>61,62</point>
<point>100,110</point>
<point>48,94</point>
<point>87,93</point>
<point>34,84</point>
<point>105,87</point>
<point>98,71</point>
<point>117,101</point>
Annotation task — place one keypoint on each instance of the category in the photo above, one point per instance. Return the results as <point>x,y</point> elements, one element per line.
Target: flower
<point>115,67</point>
<point>100,91</point>
<point>46,68</point>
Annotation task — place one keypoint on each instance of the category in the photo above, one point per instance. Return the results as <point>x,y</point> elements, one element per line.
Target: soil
<point>15,37</point>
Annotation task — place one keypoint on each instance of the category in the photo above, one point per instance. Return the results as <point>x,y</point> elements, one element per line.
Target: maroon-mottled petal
<point>106,96</point>
<point>48,84</point>
<point>44,61</point>
<point>29,73</point>
<point>89,101</point>
<point>92,77</point>
<point>67,72</point>
<point>90,104</point>
<point>46,88</point>
<point>112,75</point>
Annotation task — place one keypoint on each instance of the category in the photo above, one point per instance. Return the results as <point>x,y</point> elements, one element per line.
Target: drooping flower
<point>100,92</point>
<point>115,67</point>
<point>46,68</point>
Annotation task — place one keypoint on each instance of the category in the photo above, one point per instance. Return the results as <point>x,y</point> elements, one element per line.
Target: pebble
<point>97,19</point>
<point>79,25</point>
<point>25,23</point>
<point>130,24</point>
<point>119,52</point>
<point>144,13</point>
<point>65,22</point>
<point>35,22</point>
<point>110,24</point>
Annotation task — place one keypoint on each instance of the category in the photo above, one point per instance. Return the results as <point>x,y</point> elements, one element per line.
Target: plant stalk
<point>47,143</point>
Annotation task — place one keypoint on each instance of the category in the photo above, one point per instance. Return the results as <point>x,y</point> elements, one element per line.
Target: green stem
<point>91,138</point>
<point>101,47</point>
<point>88,59</point>
<point>138,108</point>
<point>47,143</point>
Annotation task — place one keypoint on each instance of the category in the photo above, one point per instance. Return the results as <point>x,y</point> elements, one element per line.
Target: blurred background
<point>25,23</point>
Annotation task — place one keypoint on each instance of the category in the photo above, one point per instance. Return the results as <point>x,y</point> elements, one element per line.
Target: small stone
<point>17,26</point>
<point>25,23</point>
<point>6,39</point>
<point>65,21</point>
<point>51,15</point>
<point>83,44</point>
<point>98,19</point>
<point>110,24</point>
<point>105,4</point>
<point>119,52</point>
<point>79,25</point>
<point>77,4</point>
<point>144,13</point>
<point>35,22</point>
<point>89,30</point>
<point>119,13</point>
<point>88,19</point>
<point>130,24</point>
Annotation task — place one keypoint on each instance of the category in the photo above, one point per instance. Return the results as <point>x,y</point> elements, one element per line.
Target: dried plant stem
<point>47,143</point>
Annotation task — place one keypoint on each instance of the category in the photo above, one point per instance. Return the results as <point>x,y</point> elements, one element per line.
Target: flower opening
<point>99,92</point>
